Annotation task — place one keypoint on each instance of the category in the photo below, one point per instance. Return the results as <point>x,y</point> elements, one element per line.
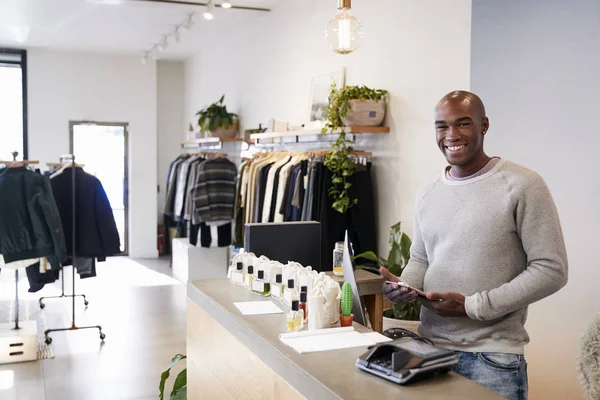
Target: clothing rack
<point>73,327</point>
<point>14,164</point>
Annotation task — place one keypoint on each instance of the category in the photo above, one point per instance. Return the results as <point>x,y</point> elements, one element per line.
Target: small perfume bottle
<point>277,287</point>
<point>338,259</point>
<point>260,286</point>
<point>294,318</point>
<point>237,275</point>
<point>290,293</point>
<point>304,306</point>
<point>303,288</point>
<point>249,277</point>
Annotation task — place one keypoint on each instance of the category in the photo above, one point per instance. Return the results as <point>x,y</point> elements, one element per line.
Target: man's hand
<point>395,293</point>
<point>448,304</point>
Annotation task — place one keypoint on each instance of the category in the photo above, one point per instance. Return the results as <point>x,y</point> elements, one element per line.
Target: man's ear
<point>485,125</point>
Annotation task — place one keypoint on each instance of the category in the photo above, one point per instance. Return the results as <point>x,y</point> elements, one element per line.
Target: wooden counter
<point>232,356</point>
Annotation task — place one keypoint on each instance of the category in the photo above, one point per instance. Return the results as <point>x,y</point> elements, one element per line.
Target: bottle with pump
<point>294,317</point>
<point>277,287</point>
<point>303,306</point>
<point>237,275</point>
<point>249,277</point>
<point>260,285</point>
<point>290,293</point>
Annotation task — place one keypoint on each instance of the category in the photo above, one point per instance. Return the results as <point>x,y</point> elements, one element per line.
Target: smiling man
<point>487,243</point>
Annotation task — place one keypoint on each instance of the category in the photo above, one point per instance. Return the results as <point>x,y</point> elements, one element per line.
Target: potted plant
<point>346,317</point>
<point>352,105</point>
<point>397,315</point>
<point>179,391</point>
<point>216,120</point>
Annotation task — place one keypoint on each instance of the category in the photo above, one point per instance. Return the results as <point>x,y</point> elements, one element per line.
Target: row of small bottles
<point>298,315</point>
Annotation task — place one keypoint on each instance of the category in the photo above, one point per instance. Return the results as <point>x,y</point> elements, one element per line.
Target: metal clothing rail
<point>73,326</point>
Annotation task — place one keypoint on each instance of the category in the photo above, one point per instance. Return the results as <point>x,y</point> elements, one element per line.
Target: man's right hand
<point>395,293</point>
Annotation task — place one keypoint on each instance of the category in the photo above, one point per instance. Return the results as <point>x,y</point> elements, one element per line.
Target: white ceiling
<point>127,27</point>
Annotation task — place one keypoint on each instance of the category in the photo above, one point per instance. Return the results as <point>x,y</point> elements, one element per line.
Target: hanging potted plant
<point>395,315</point>
<point>217,121</point>
<point>349,106</point>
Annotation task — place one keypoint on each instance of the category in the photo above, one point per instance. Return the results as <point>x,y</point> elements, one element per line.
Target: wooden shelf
<point>312,132</point>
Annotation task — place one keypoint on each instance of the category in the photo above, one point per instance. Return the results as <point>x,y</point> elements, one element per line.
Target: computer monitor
<point>358,306</point>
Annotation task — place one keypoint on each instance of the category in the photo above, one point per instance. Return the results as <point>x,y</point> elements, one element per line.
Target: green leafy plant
<point>338,161</point>
<point>214,116</point>
<point>346,299</point>
<point>179,391</point>
<point>395,263</point>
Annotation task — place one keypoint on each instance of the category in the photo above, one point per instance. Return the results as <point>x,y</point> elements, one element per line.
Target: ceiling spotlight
<point>226,5</point>
<point>209,10</point>
<point>189,22</point>
<point>163,44</point>
<point>177,35</point>
<point>144,59</point>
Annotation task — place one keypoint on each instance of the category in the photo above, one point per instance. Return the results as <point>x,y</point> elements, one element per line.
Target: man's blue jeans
<point>505,374</point>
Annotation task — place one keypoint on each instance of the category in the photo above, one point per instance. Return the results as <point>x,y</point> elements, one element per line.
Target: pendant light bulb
<point>344,32</point>
<point>226,5</point>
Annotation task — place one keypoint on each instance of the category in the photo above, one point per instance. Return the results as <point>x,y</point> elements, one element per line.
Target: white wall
<point>72,86</point>
<point>418,51</point>
<point>171,128</point>
<point>535,71</point>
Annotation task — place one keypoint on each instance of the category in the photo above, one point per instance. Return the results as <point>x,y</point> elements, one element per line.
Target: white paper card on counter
<point>326,339</point>
<point>336,341</point>
<point>257,307</point>
<point>377,337</point>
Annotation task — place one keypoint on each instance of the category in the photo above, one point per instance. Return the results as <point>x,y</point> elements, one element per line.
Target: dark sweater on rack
<point>95,230</point>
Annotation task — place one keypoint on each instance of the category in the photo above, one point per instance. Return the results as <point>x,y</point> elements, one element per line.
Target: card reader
<point>406,359</point>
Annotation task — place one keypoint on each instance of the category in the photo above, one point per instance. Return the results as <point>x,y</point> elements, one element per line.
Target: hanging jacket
<point>30,225</point>
<point>95,230</point>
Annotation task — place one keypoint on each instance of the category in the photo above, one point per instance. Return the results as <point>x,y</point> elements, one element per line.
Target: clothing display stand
<point>10,164</point>
<point>18,343</point>
<point>73,327</point>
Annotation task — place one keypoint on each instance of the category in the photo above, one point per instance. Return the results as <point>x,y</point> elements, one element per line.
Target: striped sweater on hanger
<point>214,191</point>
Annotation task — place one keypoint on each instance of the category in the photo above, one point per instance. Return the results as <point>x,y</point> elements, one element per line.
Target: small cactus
<point>346,299</point>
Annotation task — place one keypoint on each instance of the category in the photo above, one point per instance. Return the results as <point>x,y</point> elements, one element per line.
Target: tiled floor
<point>142,312</point>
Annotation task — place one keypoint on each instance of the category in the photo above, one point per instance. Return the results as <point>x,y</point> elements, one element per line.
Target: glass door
<point>102,148</point>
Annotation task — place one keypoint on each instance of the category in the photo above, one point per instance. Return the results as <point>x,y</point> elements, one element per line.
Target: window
<point>13,103</point>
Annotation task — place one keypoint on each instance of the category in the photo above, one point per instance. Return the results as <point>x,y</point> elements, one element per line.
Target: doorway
<point>102,148</point>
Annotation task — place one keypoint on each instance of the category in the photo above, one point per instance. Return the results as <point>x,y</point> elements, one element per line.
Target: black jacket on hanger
<point>95,230</point>
<point>30,225</point>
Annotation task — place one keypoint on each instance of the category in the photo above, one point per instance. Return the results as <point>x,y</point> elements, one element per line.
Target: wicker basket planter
<point>365,113</point>
<point>221,132</point>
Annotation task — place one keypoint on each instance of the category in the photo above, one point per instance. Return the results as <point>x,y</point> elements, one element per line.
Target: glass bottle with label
<point>294,317</point>
<point>237,275</point>
<point>249,277</point>
<point>338,259</point>
<point>304,306</point>
<point>290,293</point>
<point>260,285</point>
<point>277,287</point>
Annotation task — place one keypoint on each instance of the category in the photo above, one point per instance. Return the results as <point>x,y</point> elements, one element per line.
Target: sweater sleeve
<point>54,224</point>
<point>538,227</point>
<point>414,272</point>
<point>105,220</point>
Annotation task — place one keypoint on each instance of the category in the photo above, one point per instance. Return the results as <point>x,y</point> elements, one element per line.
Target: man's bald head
<point>464,97</point>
